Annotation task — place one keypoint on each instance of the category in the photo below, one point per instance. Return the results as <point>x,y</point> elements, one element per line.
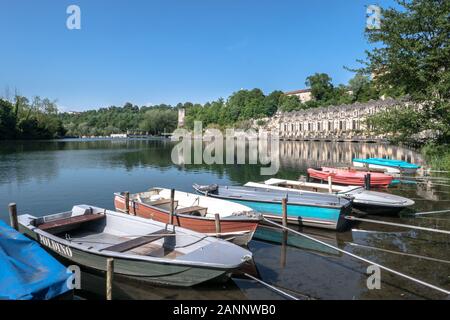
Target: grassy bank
<point>437,156</point>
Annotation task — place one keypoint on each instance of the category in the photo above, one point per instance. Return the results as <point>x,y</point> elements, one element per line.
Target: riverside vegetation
<point>409,59</point>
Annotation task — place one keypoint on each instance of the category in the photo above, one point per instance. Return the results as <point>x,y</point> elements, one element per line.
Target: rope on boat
<point>430,212</point>
<point>272,287</point>
<point>398,225</point>
<point>426,284</point>
<point>399,253</point>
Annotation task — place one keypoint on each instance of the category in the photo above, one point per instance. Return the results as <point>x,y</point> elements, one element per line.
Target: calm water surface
<point>52,176</point>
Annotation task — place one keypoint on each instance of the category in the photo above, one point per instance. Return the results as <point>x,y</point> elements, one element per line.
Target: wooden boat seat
<point>49,226</point>
<point>137,242</point>
<point>190,210</point>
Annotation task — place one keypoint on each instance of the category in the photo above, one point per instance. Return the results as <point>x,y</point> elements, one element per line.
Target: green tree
<point>159,121</point>
<point>321,86</point>
<point>412,57</point>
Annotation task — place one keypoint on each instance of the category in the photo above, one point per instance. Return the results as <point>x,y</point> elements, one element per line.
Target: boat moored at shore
<point>372,202</point>
<point>143,249</point>
<point>315,210</point>
<point>391,166</point>
<point>192,211</point>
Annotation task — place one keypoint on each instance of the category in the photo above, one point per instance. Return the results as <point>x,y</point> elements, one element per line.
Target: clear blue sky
<point>155,51</point>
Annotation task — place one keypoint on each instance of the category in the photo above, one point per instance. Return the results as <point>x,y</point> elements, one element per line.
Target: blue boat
<point>391,166</point>
<point>27,271</point>
<point>307,209</point>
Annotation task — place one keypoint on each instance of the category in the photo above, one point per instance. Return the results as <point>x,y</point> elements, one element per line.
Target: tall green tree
<point>412,56</point>
<point>321,86</point>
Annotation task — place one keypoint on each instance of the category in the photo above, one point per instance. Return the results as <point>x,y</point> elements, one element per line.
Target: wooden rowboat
<point>237,222</point>
<point>350,177</point>
<point>143,249</point>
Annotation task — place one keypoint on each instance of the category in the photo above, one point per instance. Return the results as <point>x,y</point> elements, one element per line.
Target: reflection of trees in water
<point>19,165</point>
<point>22,161</point>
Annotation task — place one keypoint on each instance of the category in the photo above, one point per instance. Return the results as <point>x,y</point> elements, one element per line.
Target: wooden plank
<point>70,221</point>
<point>137,242</point>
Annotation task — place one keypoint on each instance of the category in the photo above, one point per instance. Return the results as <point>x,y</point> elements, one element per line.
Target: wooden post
<point>127,202</point>
<point>172,205</point>
<point>367,181</point>
<point>330,184</point>
<point>13,216</point>
<point>284,211</point>
<point>109,277</point>
<point>218,227</point>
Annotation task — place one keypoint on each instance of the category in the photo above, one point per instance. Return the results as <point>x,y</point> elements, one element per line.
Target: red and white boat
<point>237,222</point>
<point>350,176</point>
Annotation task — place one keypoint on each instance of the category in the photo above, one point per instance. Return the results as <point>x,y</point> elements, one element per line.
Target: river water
<point>51,176</point>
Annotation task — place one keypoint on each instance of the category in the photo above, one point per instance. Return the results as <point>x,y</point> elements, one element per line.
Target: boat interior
<point>95,230</point>
<point>154,198</point>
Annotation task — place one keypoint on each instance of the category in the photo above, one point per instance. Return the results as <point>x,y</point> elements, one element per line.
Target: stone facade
<point>303,95</point>
<point>346,122</point>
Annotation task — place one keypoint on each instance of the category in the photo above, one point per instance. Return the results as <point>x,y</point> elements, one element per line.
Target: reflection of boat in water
<point>309,209</point>
<point>277,236</point>
<point>366,200</point>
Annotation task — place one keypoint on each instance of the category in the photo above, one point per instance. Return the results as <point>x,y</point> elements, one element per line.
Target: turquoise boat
<point>391,166</point>
<point>307,209</point>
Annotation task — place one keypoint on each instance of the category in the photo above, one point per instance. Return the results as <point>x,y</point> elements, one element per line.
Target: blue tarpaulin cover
<point>27,271</point>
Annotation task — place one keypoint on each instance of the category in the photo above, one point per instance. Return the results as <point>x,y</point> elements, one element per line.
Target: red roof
<point>297,91</point>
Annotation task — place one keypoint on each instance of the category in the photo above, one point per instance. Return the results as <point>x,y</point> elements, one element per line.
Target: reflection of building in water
<point>346,122</point>
<point>315,153</point>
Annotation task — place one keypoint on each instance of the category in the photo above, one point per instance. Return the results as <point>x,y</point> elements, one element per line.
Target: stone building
<point>303,95</point>
<point>335,123</point>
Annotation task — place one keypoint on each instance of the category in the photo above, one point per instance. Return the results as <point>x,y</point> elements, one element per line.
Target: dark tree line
<point>22,119</point>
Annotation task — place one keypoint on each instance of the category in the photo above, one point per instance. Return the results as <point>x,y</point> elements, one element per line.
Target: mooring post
<point>330,184</point>
<point>13,216</point>
<point>218,227</point>
<point>284,211</point>
<point>367,181</point>
<point>127,202</point>
<point>172,205</point>
<point>109,277</point>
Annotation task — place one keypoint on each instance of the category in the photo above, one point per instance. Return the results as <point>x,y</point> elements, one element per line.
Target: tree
<point>321,86</point>
<point>159,121</point>
<point>412,57</point>
<point>7,120</point>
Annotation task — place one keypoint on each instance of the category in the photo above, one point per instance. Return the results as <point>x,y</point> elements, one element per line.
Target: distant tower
<point>181,116</point>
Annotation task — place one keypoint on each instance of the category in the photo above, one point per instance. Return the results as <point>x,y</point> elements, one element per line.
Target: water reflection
<point>51,176</point>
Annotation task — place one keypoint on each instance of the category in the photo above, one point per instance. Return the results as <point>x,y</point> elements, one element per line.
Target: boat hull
<point>371,202</point>
<point>389,168</point>
<point>328,217</point>
<point>351,178</point>
<point>152,272</point>
<point>237,230</point>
